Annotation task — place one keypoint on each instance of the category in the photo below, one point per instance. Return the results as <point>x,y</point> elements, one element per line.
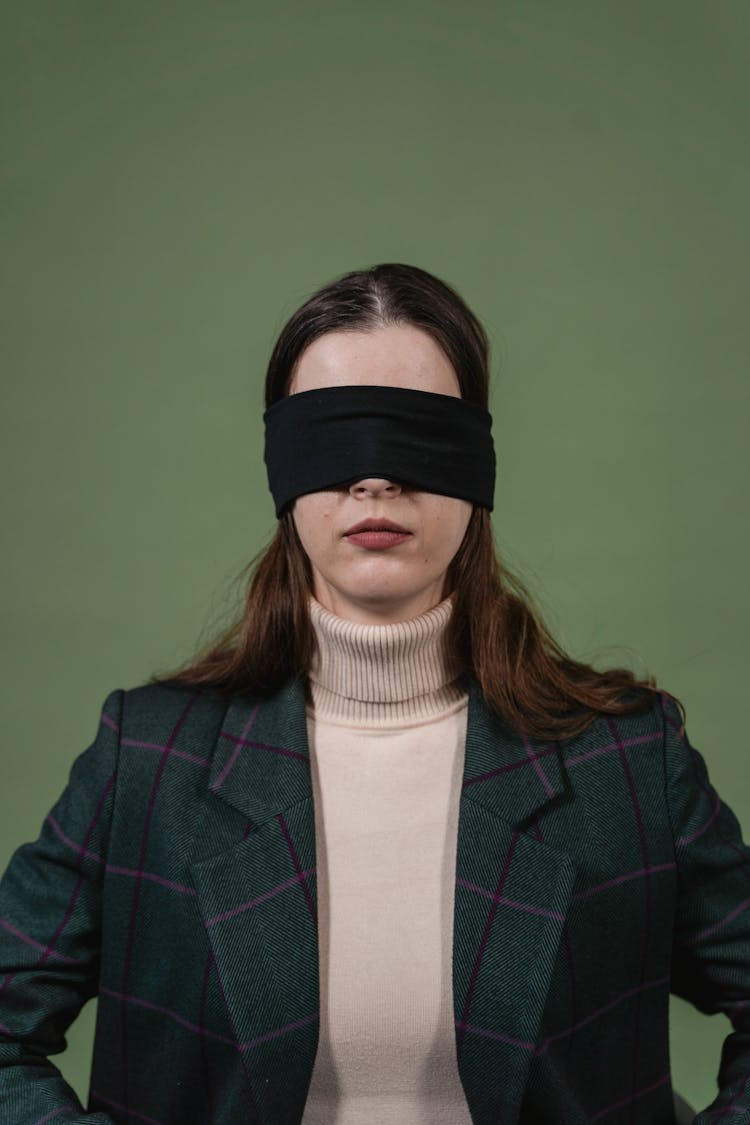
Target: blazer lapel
<point>258,895</point>
<point>512,894</point>
<point>255,876</point>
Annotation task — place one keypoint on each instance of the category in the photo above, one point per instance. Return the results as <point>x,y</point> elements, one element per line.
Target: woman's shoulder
<point>172,706</point>
<point>643,717</point>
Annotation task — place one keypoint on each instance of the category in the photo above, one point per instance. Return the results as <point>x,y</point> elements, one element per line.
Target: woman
<point>383,852</point>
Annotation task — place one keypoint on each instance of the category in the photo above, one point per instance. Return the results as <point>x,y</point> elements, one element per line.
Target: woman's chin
<point>374,603</point>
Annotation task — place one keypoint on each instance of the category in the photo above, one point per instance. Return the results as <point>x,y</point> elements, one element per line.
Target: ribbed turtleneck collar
<point>381,672</point>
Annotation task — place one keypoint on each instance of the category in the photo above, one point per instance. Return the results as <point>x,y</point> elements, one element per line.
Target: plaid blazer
<point>175,878</point>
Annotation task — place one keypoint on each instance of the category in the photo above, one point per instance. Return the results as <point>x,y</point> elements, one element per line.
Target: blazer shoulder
<point>154,712</point>
<point>641,727</point>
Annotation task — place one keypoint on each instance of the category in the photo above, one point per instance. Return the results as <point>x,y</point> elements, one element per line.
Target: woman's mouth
<point>378,540</point>
<point>377,535</point>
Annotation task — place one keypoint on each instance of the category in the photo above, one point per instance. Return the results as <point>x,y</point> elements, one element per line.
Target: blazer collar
<point>261,762</point>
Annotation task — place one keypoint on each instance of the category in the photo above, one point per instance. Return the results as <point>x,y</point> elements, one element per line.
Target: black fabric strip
<point>322,438</point>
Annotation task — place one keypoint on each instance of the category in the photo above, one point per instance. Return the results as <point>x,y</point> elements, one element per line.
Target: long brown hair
<point>495,633</point>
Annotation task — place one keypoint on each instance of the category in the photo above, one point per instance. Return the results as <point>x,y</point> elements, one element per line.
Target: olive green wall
<point>177,177</point>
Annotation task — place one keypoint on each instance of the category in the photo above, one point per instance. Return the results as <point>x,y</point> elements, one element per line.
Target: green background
<point>177,177</point>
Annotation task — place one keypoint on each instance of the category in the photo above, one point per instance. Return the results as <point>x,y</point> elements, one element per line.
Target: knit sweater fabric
<point>386,729</point>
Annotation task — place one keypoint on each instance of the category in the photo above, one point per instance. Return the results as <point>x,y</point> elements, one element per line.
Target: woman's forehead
<point>389,355</point>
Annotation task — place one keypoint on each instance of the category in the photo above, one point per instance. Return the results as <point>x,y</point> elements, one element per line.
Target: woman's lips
<point>378,540</point>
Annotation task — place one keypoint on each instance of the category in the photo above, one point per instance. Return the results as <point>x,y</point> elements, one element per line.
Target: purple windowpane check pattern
<point>191,843</point>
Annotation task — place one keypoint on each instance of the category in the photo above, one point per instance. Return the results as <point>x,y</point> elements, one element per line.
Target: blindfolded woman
<point>382,852</point>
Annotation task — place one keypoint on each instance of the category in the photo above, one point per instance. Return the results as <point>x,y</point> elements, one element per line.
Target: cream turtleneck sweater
<point>386,730</point>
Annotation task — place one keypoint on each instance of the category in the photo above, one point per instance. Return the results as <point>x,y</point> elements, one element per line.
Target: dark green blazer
<point>175,878</point>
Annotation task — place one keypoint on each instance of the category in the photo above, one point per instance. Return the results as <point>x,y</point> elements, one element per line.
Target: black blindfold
<point>318,439</point>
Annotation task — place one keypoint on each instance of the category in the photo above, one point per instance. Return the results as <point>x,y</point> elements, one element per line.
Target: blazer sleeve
<point>711,944</point>
<point>50,926</point>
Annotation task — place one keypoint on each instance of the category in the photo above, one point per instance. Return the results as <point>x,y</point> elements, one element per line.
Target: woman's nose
<point>374,486</point>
